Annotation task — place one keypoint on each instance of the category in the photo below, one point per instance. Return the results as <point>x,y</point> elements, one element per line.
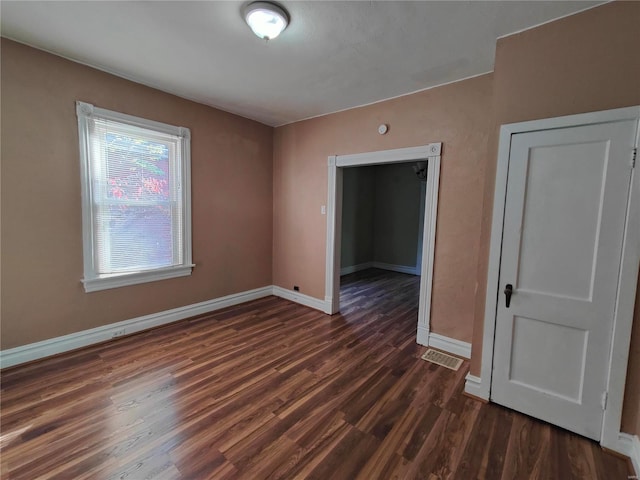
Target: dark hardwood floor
<point>271,389</point>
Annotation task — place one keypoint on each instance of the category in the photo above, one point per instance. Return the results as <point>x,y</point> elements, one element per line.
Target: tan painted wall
<point>577,64</point>
<point>42,296</point>
<point>455,114</point>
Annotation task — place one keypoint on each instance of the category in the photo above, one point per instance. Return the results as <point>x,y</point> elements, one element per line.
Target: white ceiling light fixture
<point>266,19</point>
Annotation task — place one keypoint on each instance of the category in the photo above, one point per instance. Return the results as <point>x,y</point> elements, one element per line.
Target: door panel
<point>550,200</point>
<point>564,219</point>
<point>536,342</point>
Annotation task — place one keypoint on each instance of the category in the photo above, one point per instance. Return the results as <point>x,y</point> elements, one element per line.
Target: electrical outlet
<point>296,288</point>
<point>118,333</point>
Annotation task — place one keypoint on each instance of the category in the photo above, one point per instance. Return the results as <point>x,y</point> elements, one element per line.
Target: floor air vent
<point>439,358</point>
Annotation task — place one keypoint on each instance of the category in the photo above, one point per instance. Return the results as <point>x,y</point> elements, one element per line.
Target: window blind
<point>136,201</point>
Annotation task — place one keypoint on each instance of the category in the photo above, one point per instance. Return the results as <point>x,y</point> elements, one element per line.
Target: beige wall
<point>455,114</point>
<point>42,296</point>
<point>577,64</point>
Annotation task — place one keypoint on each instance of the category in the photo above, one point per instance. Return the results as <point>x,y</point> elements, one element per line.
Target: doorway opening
<point>337,164</point>
<point>382,229</point>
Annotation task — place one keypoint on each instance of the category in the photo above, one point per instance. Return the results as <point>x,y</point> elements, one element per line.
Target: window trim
<point>92,281</point>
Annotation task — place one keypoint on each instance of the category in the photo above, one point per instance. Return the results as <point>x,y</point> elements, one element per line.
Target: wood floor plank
<point>528,449</point>
<point>347,457</point>
<point>272,389</point>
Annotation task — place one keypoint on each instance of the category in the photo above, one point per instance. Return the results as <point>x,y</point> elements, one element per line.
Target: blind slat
<point>136,202</point>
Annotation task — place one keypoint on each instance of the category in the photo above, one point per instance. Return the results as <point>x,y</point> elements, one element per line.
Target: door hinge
<point>633,157</point>
<point>605,397</point>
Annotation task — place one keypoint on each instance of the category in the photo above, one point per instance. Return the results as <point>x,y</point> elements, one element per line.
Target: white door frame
<point>430,153</point>
<point>623,317</point>
<point>423,195</point>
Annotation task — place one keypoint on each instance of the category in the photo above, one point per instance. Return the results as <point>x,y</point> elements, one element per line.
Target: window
<point>136,199</point>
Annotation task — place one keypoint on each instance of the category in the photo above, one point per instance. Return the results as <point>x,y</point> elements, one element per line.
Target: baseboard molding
<point>302,299</point>
<point>53,346</point>
<point>381,266</point>
<point>84,338</point>
<point>629,445</point>
<point>450,345</point>
<point>396,268</point>
<point>473,387</point>
<point>355,268</point>
<point>422,335</point>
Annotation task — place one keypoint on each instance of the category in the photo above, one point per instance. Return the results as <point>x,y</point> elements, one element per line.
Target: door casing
<point>628,275</point>
<point>431,153</point>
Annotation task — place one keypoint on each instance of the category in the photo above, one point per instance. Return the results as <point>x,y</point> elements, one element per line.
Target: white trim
<point>53,346</point>
<point>629,445</point>
<point>624,309</point>
<point>450,345</point>
<point>419,249</point>
<point>630,260</point>
<point>552,20</point>
<point>396,268</point>
<point>87,110</point>
<point>355,268</point>
<point>379,101</point>
<point>473,385</point>
<point>334,224</point>
<point>429,242</point>
<point>430,152</point>
<point>422,334</point>
<point>84,338</point>
<point>397,155</point>
<point>123,280</point>
<point>181,193</point>
<point>302,299</point>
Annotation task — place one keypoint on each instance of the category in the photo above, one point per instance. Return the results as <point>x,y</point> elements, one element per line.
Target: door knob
<point>508,290</point>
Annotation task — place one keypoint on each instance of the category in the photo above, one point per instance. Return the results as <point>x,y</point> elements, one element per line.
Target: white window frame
<point>92,280</point>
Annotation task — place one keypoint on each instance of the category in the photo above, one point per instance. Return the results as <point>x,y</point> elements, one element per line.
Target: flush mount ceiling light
<point>266,19</point>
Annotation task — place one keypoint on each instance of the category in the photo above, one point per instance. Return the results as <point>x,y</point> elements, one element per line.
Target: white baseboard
<point>355,268</point>
<point>446,344</point>
<point>422,335</point>
<point>629,445</point>
<point>84,338</point>
<point>381,266</point>
<point>473,386</point>
<point>53,346</point>
<point>451,345</point>
<point>396,268</point>
<point>302,299</point>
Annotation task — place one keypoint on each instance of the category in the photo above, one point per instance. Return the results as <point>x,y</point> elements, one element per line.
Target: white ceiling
<point>333,56</point>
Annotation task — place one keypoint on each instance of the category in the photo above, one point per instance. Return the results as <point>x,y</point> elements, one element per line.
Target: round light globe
<point>266,19</point>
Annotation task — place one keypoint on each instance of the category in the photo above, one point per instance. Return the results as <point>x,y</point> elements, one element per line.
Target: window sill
<point>125,279</point>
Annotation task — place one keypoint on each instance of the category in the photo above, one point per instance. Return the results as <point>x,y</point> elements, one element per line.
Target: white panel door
<point>566,203</point>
